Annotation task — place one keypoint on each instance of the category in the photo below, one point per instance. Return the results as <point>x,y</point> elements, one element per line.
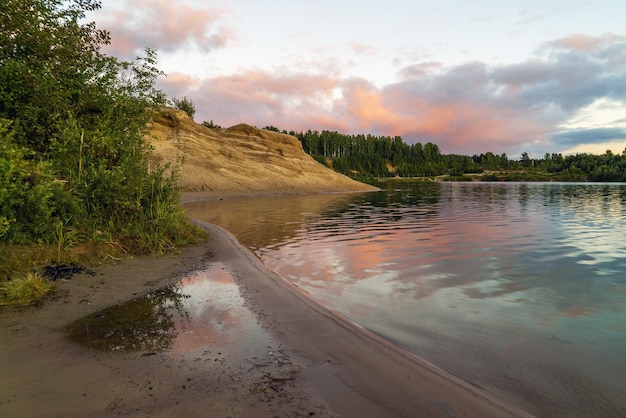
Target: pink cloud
<point>178,84</point>
<point>456,127</point>
<point>164,25</point>
<point>364,104</point>
<point>470,108</point>
<point>365,49</point>
<point>584,43</point>
<point>301,101</point>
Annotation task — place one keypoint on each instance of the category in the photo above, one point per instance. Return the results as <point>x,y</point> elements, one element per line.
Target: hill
<point>241,159</point>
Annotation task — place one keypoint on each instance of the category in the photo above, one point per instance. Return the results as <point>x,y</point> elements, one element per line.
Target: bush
<point>24,291</point>
<point>27,194</point>
<point>185,105</point>
<point>211,125</point>
<point>74,161</point>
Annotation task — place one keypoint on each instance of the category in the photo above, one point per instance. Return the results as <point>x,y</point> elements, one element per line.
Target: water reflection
<point>142,324</point>
<point>487,240</point>
<point>264,221</point>
<point>511,286</point>
<point>203,313</point>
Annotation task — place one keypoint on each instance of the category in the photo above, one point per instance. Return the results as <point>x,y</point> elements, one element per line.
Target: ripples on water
<point>518,288</point>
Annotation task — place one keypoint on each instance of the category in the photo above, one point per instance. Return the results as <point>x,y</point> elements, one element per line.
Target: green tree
<point>73,137</point>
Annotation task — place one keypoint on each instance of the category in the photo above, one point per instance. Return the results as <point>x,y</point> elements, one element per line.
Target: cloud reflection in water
<point>509,285</point>
<point>203,313</point>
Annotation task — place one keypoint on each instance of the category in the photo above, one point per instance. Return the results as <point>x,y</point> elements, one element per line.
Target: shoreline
<point>207,196</point>
<point>353,361</point>
<point>338,368</point>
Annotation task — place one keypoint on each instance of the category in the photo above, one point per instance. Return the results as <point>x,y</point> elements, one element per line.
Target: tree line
<point>384,156</point>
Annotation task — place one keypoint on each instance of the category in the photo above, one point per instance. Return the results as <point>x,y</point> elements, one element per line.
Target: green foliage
<point>24,291</point>
<point>29,195</point>
<point>74,161</point>
<point>366,156</point>
<point>211,125</point>
<point>321,159</point>
<point>4,225</point>
<point>51,66</point>
<point>185,105</point>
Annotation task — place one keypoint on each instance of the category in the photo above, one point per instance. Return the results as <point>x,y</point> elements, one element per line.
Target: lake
<point>519,288</point>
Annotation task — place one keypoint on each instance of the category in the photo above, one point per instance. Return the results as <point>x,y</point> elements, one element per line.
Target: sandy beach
<point>316,363</point>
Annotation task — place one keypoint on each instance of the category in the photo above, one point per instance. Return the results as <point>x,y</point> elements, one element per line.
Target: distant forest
<point>384,156</point>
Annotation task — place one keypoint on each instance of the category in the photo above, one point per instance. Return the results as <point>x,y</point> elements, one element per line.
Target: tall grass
<point>31,289</point>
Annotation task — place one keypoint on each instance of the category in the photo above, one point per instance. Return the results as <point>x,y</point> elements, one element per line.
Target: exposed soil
<point>241,159</point>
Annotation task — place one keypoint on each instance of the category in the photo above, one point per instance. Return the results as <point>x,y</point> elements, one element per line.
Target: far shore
<point>338,368</point>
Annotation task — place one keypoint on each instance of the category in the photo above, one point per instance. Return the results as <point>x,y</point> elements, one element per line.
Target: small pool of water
<point>202,314</point>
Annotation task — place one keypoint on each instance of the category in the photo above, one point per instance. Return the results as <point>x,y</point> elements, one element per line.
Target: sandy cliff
<point>241,159</point>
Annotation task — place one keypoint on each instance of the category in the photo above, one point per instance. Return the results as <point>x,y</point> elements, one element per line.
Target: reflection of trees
<point>145,323</point>
<point>586,199</point>
<point>399,201</point>
<point>270,221</point>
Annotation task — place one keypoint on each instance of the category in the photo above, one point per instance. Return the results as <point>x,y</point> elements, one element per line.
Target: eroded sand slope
<point>241,159</point>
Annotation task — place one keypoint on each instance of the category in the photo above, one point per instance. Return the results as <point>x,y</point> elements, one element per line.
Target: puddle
<point>203,314</point>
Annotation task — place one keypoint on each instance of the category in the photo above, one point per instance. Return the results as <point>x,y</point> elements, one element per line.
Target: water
<point>203,316</point>
<point>519,288</point>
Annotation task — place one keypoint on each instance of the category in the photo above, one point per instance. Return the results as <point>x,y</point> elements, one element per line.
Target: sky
<point>506,76</point>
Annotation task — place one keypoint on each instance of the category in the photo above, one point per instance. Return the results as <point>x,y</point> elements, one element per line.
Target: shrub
<point>74,161</point>
<point>30,289</point>
<point>211,125</point>
<point>185,105</point>
<point>27,193</point>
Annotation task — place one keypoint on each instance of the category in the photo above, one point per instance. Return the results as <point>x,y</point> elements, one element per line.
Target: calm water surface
<point>518,288</point>
<point>203,317</point>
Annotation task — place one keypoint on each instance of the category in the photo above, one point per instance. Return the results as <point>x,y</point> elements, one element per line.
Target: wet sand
<point>312,362</point>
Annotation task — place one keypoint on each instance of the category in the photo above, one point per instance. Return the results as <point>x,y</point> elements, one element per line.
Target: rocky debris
<point>55,272</point>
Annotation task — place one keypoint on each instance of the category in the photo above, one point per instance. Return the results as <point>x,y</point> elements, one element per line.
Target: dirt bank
<point>241,159</point>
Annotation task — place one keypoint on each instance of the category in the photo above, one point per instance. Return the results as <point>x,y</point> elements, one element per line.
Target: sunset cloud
<point>470,108</point>
<point>542,103</point>
<point>165,26</point>
<point>582,42</point>
<point>463,107</point>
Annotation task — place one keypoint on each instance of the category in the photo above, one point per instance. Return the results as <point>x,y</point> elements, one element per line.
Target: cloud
<point>582,42</point>
<point>362,48</point>
<point>469,108</point>
<point>590,136</point>
<point>420,70</point>
<point>165,26</point>
<point>178,84</point>
<point>514,105</point>
<point>570,78</point>
<point>616,147</point>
